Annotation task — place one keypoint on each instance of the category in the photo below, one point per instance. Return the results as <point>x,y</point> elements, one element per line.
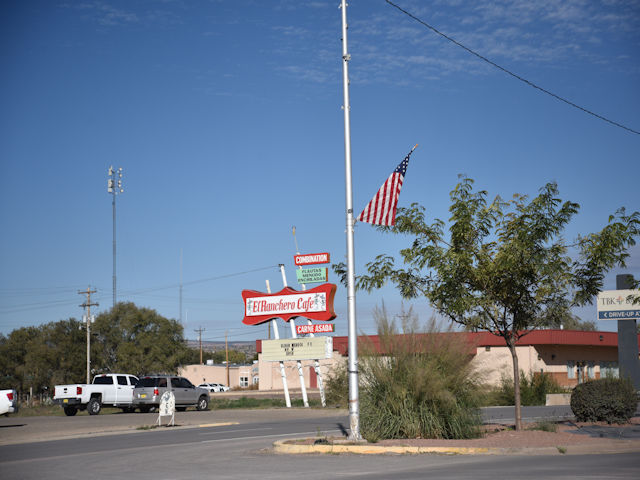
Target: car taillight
<point>78,390</point>
<point>10,396</point>
<point>155,392</point>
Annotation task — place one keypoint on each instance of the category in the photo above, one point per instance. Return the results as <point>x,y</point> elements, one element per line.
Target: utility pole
<point>114,187</point>
<point>88,304</point>
<point>226,349</point>
<point>180,302</point>
<point>199,332</point>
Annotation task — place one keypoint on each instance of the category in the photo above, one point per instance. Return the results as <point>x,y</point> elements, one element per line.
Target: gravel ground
<point>567,434</point>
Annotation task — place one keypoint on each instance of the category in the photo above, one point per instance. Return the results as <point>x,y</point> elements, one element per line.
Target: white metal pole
<point>354,410</point>
<point>292,323</point>
<point>283,373</point>
<point>316,363</point>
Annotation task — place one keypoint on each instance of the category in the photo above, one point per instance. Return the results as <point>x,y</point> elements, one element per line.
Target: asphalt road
<point>243,450</point>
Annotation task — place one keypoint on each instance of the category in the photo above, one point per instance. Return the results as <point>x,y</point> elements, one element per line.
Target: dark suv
<point>149,389</point>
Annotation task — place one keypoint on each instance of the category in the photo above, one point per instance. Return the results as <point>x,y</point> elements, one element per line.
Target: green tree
<point>137,340</point>
<point>505,267</point>
<point>40,357</point>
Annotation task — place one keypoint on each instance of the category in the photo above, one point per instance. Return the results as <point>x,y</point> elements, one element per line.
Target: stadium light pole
<point>114,187</point>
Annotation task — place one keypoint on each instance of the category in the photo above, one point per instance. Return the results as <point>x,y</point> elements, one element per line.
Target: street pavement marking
<point>224,424</point>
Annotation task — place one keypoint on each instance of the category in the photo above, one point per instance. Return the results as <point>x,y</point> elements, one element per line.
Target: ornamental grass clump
<point>610,400</point>
<point>417,384</point>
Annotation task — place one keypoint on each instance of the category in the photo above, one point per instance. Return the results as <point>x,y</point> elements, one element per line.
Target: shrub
<point>422,386</point>
<point>533,389</point>
<point>336,387</point>
<point>610,400</point>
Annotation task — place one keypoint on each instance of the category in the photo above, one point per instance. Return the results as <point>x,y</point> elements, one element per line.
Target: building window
<point>244,381</point>
<point>591,371</point>
<point>571,369</point>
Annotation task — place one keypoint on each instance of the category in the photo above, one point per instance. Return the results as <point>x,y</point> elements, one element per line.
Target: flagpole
<point>354,410</point>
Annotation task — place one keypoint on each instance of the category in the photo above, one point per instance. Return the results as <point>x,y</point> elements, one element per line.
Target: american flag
<point>381,210</point>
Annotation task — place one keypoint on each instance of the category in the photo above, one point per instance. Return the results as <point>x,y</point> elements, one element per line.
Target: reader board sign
<point>315,328</point>
<point>314,304</point>
<point>311,258</point>
<point>297,349</point>
<point>312,275</point>
<point>618,305</point>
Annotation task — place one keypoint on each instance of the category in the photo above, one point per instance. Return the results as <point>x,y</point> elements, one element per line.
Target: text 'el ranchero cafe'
<point>314,304</point>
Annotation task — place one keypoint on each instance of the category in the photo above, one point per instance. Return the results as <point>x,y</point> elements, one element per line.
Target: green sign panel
<point>312,275</point>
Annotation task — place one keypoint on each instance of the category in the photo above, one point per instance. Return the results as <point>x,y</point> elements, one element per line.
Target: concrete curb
<point>285,447</point>
<point>281,446</point>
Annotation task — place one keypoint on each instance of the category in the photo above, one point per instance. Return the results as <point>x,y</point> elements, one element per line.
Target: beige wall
<point>271,378</point>
<point>198,374</point>
<point>493,363</point>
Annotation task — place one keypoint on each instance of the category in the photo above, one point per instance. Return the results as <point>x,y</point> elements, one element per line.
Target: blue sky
<point>226,118</point>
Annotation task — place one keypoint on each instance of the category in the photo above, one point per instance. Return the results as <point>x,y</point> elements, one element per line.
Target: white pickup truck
<point>110,389</point>
<point>8,402</point>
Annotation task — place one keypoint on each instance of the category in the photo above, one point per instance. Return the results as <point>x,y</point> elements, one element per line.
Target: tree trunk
<point>516,384</point>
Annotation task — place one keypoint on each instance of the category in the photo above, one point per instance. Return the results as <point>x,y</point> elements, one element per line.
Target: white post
<point>283,373</point>
<point>316,363</point>
<point>292,322</point>
<point>354,409</point>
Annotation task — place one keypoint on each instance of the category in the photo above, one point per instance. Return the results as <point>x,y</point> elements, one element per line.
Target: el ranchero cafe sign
<point>314,304</point>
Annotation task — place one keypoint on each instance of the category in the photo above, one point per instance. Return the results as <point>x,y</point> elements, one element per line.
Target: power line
<point>508,72</point>
<point>193,282</point>
<point>16,308</point>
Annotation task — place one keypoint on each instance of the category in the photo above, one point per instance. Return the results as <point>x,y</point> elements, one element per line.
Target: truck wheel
<point>203,403</point>
<point>94,406</point>
<point>70,411</point>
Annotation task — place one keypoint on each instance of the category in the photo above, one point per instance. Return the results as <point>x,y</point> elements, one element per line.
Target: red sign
<point>311,258</point>
<point>315,328</point>
<point>315,304</point>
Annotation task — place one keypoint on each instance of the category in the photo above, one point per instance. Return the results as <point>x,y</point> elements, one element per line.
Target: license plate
<point>66,400</point>
<point>143,395</point>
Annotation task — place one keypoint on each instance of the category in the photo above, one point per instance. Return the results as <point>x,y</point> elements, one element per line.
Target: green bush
<point>533,390</point>
<point>421,386</point>
<point>610,400</point>
<point>336,387</point>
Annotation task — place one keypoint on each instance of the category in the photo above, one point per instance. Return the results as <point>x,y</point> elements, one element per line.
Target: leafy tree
<point>40,357</point>
<point>138,340</point>
<point>218,357</point>
<point>505,267</point>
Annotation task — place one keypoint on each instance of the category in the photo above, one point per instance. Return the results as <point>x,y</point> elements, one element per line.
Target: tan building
<point>569,356</point>
<point>235,376</point>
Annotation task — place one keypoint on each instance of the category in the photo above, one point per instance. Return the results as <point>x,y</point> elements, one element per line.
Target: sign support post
<point>283,373</point>
<point>316,363</point>
<point>628,340</point>
<point>292,323</point>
